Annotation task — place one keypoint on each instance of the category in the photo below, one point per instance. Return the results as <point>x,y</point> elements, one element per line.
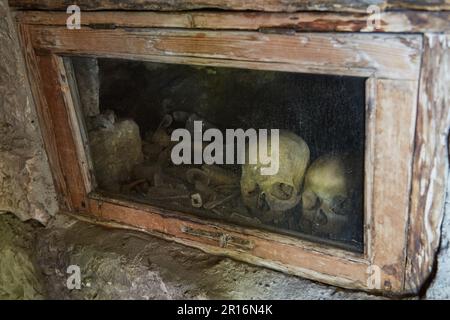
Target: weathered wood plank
<point>70,93</point>
<point>53,87</point>
<point>395,114</point>
<point>431,163</point>
<point>383,56</point>
<point>45,119</point>
<point>256,5</point>
<point>404,21</point>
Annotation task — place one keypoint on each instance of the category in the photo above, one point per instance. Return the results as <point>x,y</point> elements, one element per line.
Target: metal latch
<point>223,240</point>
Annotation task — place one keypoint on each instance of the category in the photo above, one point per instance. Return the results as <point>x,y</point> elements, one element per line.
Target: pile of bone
<point>315,198</point>
<point>207,188</point>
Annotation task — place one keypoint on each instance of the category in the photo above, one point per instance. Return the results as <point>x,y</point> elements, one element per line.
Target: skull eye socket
<point>282,191</point>
<point>339,205</point>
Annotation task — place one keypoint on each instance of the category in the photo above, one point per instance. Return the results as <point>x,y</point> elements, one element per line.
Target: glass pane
<point>167,135</point>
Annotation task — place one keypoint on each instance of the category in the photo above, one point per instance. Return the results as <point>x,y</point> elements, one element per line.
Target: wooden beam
<point>255,5</point>
<point>431,163</point>
<point>404,21</point>
<point>53,88</point>
<point>45,119</point>
<point>387,56</point>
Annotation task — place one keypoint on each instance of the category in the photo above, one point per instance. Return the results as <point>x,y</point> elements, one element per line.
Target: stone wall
<point>26,187</point>
<point>20,276</point>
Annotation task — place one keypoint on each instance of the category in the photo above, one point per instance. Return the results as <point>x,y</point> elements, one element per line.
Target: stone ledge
<point>123,264</point>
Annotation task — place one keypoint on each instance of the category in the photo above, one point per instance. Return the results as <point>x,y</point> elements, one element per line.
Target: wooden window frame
<point>390,62</point>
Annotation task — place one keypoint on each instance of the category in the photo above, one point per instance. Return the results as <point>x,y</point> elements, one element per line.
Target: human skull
<point>326,198</point>
<point>271,195</point>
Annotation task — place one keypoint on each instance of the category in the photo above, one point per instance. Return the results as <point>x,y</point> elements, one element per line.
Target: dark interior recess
<point>326,111</point>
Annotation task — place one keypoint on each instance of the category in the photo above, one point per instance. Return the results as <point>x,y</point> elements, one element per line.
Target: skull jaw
<point>283,205</point>
<point>323,222</point>
<point>323,211</point>
<point>274,196</point>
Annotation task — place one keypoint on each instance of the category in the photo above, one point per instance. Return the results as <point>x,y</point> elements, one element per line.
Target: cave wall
<point>26,187</point>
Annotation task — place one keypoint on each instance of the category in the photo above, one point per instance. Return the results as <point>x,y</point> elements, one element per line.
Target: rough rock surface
<point>123,264</point>
<point>131,265</point>
<point>26,187</point>
<point>19,276</point>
